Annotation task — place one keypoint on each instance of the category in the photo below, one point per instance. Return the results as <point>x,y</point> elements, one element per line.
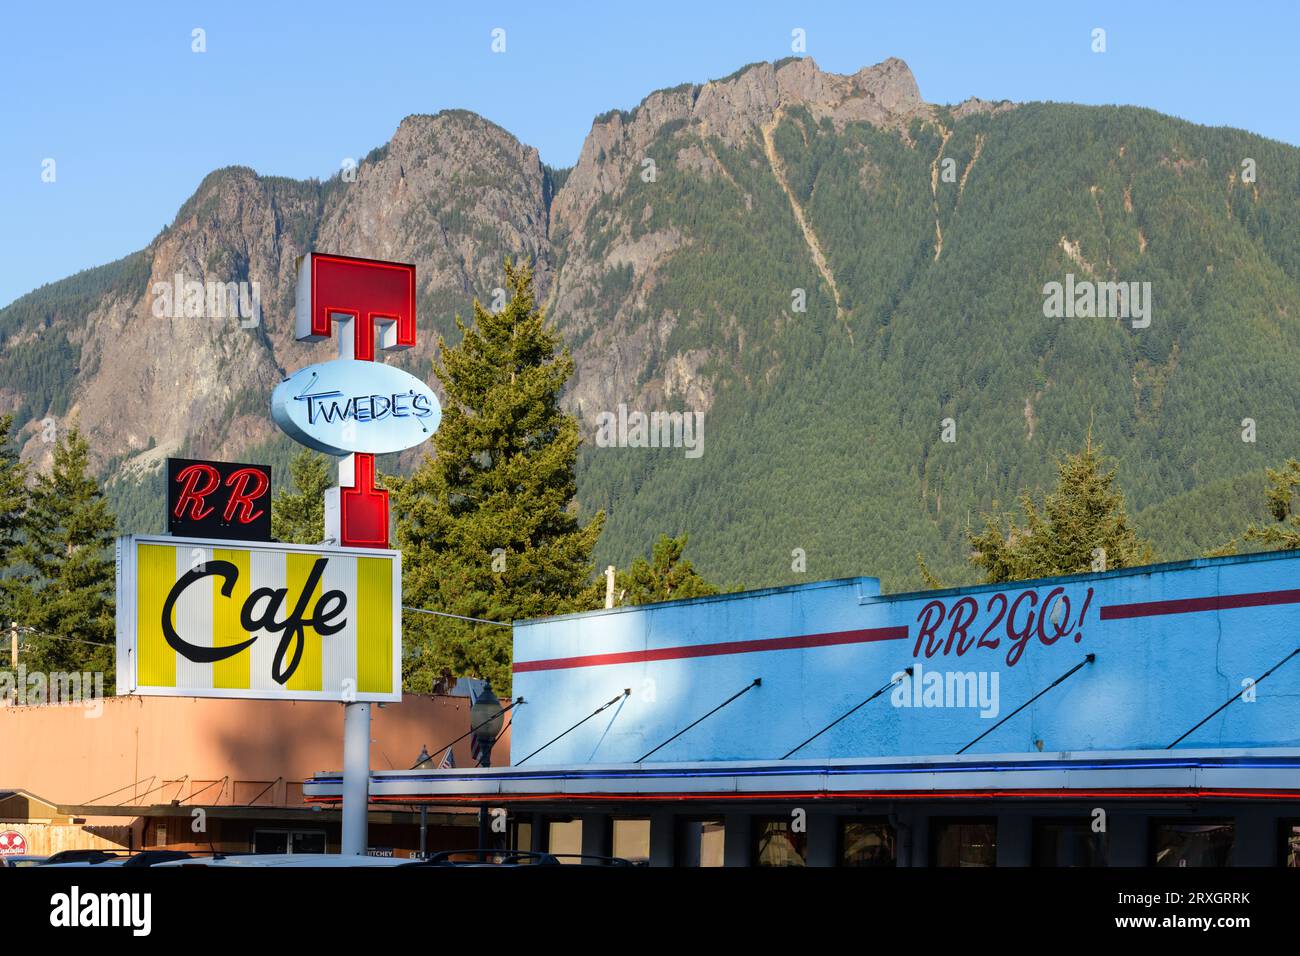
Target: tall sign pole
<point>373,305</point>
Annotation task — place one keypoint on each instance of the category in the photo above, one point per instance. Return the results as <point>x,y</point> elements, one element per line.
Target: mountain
<point>838,275</point>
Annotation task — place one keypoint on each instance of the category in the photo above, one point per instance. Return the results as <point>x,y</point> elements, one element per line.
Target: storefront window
<point>631,840</point>
<point>1291,844</point>
<point>1068,843</point>
<point>564,836</point>
<point>971,841</point>
<point>288,841</point>
<point>700,842</point>
<point>1193,842</point>
<point>521,834</point>
<point>777,843</point>
<point>866,843</point>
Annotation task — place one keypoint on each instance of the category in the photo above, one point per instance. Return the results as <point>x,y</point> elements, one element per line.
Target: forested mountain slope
<point>826,267</point>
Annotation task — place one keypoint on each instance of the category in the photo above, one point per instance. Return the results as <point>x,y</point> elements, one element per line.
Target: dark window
<point>288,841</point>
<point>964,841</point>
<point>867,842</point>
<point>700,842</point>
<point>1192,842</point>
<point>308,841</point>
<point>1069,843</point>
<point>776,843</point>
<point>270,841</point>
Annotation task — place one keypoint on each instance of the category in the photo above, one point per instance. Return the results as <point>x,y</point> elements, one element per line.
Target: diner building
<point>1134,717</point>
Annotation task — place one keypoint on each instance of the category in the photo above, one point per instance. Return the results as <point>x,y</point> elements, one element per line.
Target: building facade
<point>131,773</point>
<point>1134,717</point>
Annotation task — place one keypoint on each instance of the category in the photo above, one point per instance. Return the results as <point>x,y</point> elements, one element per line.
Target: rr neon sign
<point>218,499</point>
<point>373,303</point>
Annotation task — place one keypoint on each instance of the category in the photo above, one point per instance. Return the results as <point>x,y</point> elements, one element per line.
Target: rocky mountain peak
<point>733,109</point>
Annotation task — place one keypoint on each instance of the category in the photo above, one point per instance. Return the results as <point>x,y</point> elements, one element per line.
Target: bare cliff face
<point>626,355</point>
<point>454,194</point>
<point>451,193</point>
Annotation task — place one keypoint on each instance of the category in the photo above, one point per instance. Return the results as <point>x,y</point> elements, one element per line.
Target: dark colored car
<point>91,857</point>
<point>518,858</point>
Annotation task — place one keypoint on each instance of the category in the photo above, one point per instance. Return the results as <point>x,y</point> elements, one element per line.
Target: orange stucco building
<point>202,774</point>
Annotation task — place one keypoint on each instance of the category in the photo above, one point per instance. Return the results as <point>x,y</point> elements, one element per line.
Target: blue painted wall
<point>1155,675</point>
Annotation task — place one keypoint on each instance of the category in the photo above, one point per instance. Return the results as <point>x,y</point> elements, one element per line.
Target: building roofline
<point>1159,568</point>
<point>707,599</point>
<point>900,596</point>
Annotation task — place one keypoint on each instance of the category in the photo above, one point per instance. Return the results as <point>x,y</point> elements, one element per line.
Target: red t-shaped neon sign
<point>375,302</point>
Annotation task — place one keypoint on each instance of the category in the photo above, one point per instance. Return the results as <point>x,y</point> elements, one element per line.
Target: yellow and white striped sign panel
<point>201,618</point>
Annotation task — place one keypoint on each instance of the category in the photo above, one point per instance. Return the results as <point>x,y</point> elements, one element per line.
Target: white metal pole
<point>356,777</point>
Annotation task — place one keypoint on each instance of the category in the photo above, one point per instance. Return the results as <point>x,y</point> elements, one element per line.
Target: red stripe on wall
<point>1217,602</point>
<point>861,636</point>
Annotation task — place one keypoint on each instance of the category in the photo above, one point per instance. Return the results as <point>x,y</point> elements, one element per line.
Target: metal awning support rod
<point>609,703</point>
<point>907,672</point>
<point>1087,660</point>
<point>1227,702</point>
<point>757,682</point>
<point>443,749</point>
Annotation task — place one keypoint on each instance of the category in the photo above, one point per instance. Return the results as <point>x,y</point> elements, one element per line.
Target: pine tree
<point>298,517</point>
<point>667,576</point>
<point>1086,512</point>
<point>488,526</point>
<point>13,504</point>
<point>66,588</point>
<point>1285,535</point>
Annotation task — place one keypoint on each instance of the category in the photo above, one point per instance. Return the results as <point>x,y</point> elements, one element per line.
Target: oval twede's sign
<point>347,406</point>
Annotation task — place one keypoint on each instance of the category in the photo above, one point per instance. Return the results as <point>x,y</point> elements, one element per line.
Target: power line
<point>459,617</point>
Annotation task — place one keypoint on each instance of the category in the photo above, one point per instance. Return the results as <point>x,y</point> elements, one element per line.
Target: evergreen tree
<point>488,526</point>
<point>298,516</point>
<point>13,504</point>
<point>1084,513</point>
<point>1284,536</point>
<point>667,576</point>
<point>66,587</point>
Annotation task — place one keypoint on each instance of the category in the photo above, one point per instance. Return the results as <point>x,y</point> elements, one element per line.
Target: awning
<point>1141,774</point>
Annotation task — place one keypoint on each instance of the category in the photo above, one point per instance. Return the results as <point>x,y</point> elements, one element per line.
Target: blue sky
<point>134,119</point>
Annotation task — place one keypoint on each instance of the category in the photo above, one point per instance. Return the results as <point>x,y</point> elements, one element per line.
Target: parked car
<point>507,858</point>
<point>154,857</point>
<point>519,858</point>
<point>259,860</point>
<point>85,858</point>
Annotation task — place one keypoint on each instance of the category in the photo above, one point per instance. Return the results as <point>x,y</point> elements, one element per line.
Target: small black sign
<point>218,499</point>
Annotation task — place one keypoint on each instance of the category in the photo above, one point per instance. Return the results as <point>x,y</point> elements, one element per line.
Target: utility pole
<point>13,645</point>
<point>609,586</point>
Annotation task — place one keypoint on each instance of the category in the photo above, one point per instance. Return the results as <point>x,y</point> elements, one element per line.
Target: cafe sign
<point>207,618</point>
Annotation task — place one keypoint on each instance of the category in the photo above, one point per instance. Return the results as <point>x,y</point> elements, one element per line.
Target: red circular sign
<point>12,843</point>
